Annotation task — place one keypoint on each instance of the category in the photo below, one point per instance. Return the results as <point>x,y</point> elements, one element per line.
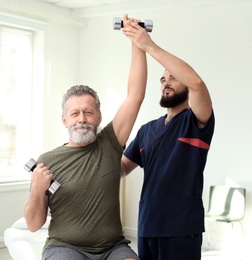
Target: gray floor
<point>4,254</point>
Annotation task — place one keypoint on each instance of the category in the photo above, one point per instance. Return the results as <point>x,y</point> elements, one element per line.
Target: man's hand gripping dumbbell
<point>147,24</point>
<point>44,177</point>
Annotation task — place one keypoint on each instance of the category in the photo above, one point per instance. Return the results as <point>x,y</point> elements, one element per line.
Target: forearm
<point>138,71</point>
<point>138,75</point>
<point>36,211</point>
<point>178,68</point>
<point>136,91</point>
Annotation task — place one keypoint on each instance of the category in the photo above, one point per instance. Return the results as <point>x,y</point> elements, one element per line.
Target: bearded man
<point>172,150</point>
<point>85,210</point>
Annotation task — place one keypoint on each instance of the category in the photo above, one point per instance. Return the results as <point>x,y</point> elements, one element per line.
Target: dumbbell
<point>31,165</point>
<point>118,24</point>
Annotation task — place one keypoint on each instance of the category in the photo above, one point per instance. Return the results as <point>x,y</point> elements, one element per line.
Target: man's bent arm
<point>199,97</point>
<point>37,206</point>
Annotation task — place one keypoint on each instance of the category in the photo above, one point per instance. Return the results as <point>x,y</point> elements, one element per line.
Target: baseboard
<point>2,244</point>
<point>130,232</point>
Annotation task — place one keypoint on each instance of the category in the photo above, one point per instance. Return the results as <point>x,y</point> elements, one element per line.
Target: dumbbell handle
<point>31,165</point>
<point>147,24</point>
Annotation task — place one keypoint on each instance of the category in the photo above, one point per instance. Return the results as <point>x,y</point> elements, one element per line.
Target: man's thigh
<point>122,251</point>
<point>64,253</point>
<point>170,248</point>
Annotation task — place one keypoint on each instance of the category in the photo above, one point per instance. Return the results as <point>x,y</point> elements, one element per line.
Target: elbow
<point>31,227</point>
<point>200,83</point>
<point>127,166</point>
<point>123,170</point>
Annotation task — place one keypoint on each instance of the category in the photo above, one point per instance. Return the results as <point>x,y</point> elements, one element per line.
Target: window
<point>20,69</point>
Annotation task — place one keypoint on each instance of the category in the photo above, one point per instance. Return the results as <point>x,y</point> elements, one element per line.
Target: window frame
<point>34,139</point>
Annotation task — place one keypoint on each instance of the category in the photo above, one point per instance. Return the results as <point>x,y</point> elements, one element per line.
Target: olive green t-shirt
<point>85,209</point>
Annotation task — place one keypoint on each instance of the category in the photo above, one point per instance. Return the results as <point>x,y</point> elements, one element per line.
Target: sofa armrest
<point>23,244</point>
<point>21,223</point>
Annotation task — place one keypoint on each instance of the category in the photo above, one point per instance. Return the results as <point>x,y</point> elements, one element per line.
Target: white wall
<point>215,39</point>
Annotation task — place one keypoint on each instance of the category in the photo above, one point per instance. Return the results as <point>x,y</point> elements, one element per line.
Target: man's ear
<point>63,118</point>
<point>100,118</point>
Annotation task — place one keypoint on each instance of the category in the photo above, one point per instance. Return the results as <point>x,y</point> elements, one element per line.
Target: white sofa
<point>24,244</point>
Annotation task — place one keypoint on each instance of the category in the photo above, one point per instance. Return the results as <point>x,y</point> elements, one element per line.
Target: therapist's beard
<point>82,133</point>
<point>174,100</point>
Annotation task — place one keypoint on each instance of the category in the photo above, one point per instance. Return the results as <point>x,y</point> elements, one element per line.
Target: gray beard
<point>82,138</point>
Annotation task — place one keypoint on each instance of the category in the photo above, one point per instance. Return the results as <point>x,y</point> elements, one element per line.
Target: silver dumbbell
<point>31,165</point>
<point>118,24</point>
